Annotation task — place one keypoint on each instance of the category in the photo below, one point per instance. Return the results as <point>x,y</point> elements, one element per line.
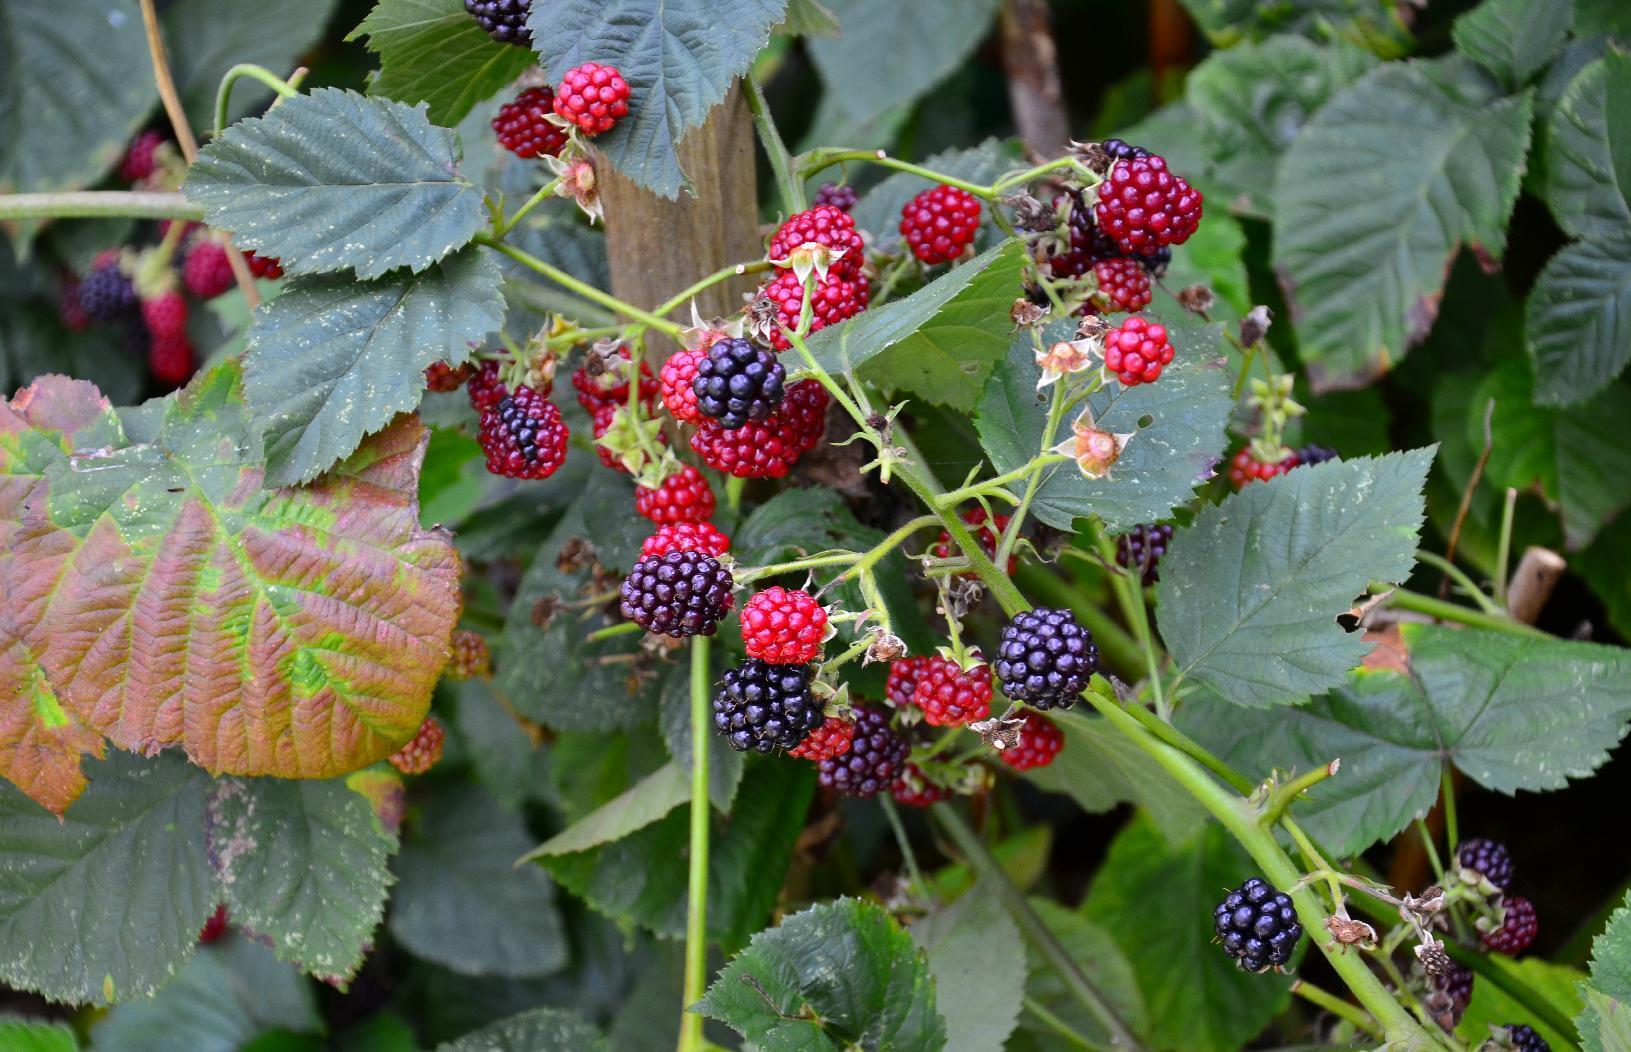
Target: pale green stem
<point>1467,584</point>
<point>722,274</point>
<point>1452,831</point>
<point>98,204</point>
<point>1054,1023</point>
<point>622,628</point>
<point>223,94</point>
<point>920,887</point>
<point>1283,795</point>
<point>792,191</point>
<point>1454,612</point>
<point>696,913</point>
<point>1039,464</point>
<point>582,288</point>
<point>1336,1006</point>
<point>1503,546</point>
<point>538,197</point>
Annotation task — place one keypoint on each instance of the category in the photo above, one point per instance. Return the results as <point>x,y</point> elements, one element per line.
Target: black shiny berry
<point>841,196</point>
<point>677,594</point>
<point>1140,550</point>
<point>876,757</point>
<point>1045,658</point>
<point>1123,151</point>
<point>1156,262</point>
<point>504,20</point>
<point>739,382</point>
<point>1312,454</point>
<point>107,293</point>
<point>1257,926</point>
<point>761,707</point>
<point>1489,859</point>
<point>1524,1039</point>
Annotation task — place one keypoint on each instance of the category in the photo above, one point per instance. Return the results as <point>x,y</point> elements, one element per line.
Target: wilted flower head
<point>1094,451</point>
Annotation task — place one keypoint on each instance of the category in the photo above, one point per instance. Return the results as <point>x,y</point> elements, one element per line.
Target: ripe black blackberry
<point>1045,658</point>
<point>107,293</point>
<point>1524,1039</point>
<point>738,382</point>
<point>678,594</point>
<point>1123,151</point>
<point>1257,926</point>
<point>1140,550</point>
<point>760,706</point>
<point>1488,858</point>
<point>876,757</point>
<point>504,20</point>
<point>1312,454</point>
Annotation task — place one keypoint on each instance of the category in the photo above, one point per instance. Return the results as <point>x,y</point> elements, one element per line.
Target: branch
<point>98,204</point>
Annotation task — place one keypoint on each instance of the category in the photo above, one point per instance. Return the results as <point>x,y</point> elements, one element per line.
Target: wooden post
<point>657,247</point>
<point>1030,59</point>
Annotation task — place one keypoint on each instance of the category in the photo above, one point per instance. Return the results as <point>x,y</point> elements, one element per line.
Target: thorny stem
<point>982,862</point>
<point>184,134</point>
<point>223,94</point>
<point>696,913</point>
<point>582,288</point>
<point>98,204</point>
<point>1336,1006</point>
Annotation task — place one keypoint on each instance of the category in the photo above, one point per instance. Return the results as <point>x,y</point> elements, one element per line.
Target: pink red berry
<point>1137,351</point>
<point>1245,468</point>
<point>987,530</point>
<point>523,126</point>
<point>834,300</point>
<point>686,537</point>
<point>1040,740</point>
<point>684,496</point>
<point>940,222</point>
<point>592,96</point>
<point>485,388</point>
<point>1124,285</point>
<point>440,376</point>
<point>913,789</point>
<point>767,448</point>
<point>783,627</point>
<point>1518,929</point>
<point>903,676</point>
<point>676,377</point>
<point>69,310</point>
<point>207,271</point>
<point>139,161</point>
<point>826,226</point>
<point>523,436</point>
<point>264,266</point>
<point>828,741</point>
<point>471,658</point>
<point>950,696</point>
<point>170,359</point>
<point>165,314</point>
<point>1145,207</point>
<point>215,927</point>
<point>423,750</point>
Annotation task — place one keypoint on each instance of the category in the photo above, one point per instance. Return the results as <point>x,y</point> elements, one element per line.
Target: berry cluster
<point>504,20</point>
<point>875,759</point>
<point>767,448</point>
<point>1137,351</point>
<point>686,537</point>
<point>840,293</point>
<point>593,97</point>
<point>841,196</point>
<point>1045,658</point>
<point>1144,207</point>
<point>987,529</point>
<point>827,226</point>
<point>1257,926</point>
<point>783,626</point>
<point>523,126</point>
<point>950,695</point>
<point>684,496</point>
<point>1246,468</point>
<point>1040,740</point>
<point>422,750</point>
<point>833,300</point>
<point>471,658</point>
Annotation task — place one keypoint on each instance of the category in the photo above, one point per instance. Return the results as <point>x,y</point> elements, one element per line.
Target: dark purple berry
<point>1140,550</point>
<point>1489,859</point>
<point>1257,926</point>
<point>876,757</point>
<point>739,382</point>
<point>1045,658</point>
<point>677,594</point>
<point>504,20</point>
<point>760,706</point>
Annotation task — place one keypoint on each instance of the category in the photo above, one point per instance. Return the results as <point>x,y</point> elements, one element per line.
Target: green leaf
<point>1513,39</point>
<point>1588,151</point>
<point>499,749</point>
<point>643,803</point>
<point>544,664</point>
<point>977,959</point>
<point>23,1035</point>
<point>1578,457</point>
<point>849,965</point>
<point>1364,233</point>
<point>674,719</point>
<point>304,865</point>
<point>1490,1006</point>
<point>1092,948</point>
<point>462,902</point>
<point>205,38</point>
<point>679,58</point>
<point>339,181</point>
<point>1250,592</point>
<point>939,343</point>
<point>1254,99</point>
<point>33,343</point>
<point>642,877</point>
<point>432,51</point>
<point>295,633</point>
<point>229,994</point>
<point>141,821</point>
<point>1177,428</point>
<point>1156,899</point>
<point>874,37</point>
<point>1377,27</point>
<point>1608,991</point>
<point>541,1028</point>
<point>1099,772</point>
<point>1215,256</point>
<point>809,18</point>
<point>1510,712</point>
<point>1578,325</point>
<point>332,359</point>
<point>879,208</point>
<point>1023,857</point>
<point>75,84</point>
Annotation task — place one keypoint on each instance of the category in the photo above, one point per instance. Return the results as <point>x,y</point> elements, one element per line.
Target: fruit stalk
<point>696,912</point>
